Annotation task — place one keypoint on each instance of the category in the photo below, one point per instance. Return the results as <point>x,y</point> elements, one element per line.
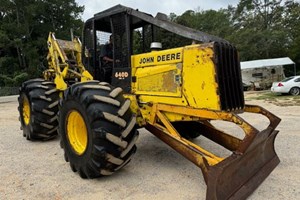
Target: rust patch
<point>203,85</point>
<point>169,84</point>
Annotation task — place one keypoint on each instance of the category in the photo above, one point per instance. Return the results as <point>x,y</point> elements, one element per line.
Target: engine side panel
<point>182,76</point>
<point>200,86</point>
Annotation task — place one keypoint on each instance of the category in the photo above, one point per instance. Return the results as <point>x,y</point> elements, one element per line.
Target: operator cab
<point>133,32</point>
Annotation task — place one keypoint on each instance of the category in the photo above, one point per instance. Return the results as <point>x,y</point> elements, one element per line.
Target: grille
<point>229,77</point>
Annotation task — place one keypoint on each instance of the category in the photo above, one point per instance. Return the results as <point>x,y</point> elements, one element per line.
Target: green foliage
<point>20,78</point>
<point>210,21</point>
<point>137,42</point>
<point>292,25</point>
<point>259,32</point>
<point>5,80</point>
<point>260,29</point>
<point>15,80</point>
<point>25,25</point>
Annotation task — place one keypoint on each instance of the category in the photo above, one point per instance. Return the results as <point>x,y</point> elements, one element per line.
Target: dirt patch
<point>37,170</point>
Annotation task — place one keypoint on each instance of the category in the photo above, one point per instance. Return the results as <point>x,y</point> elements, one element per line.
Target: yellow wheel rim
<point>77,132</point>
<point>26,111</point>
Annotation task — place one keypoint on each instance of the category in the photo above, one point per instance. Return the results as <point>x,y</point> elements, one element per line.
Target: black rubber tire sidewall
<point>32,90</point>
<point>78,160</point>
<point>295,88</point>
<point>26,127</point>
<point>102,156</point>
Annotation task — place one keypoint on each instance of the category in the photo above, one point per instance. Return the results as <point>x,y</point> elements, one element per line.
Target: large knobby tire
<point>295,91</point>
<point>188,129</point>
<point>38,107</point>
<point>97,129</point>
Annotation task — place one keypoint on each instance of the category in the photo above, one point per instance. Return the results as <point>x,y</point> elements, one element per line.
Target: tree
<point>259,31</point>
<point>24,28</point>
<point>210,21</point>
<point>292,26</point>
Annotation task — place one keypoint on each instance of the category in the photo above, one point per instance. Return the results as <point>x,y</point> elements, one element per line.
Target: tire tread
<point>111,125</point>
<point>43,98</point>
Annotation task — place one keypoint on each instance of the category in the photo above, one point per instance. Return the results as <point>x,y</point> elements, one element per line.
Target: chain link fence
<point>6,91</point>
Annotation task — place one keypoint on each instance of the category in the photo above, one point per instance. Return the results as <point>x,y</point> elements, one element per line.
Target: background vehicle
<point>174,93</point>
<point>290,85</point>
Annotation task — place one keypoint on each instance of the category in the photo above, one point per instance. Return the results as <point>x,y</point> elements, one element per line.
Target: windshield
<point>287,79</point>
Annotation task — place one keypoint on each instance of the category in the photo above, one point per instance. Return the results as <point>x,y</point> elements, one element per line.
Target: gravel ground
<point>37,170</point>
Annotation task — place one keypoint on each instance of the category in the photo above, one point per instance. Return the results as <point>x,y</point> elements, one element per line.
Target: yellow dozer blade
<point>253,158</point>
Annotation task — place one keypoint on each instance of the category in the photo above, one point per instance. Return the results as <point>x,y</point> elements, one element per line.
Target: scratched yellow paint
<point>199,77</point>
<point>189,80</point>
<point>57,60</point>
<point>158,80</point>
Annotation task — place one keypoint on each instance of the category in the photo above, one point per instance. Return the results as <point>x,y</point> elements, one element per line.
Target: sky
<point>153,6</point>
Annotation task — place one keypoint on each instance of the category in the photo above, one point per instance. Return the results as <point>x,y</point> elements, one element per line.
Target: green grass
<point>278,99</point>
<point>269,95</point>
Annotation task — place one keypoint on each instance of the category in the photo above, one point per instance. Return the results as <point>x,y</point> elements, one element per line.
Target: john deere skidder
<point>175,93</point>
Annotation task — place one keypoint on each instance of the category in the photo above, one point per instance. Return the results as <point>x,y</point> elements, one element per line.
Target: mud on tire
<point>107,137</point>
<point>38,106</point>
